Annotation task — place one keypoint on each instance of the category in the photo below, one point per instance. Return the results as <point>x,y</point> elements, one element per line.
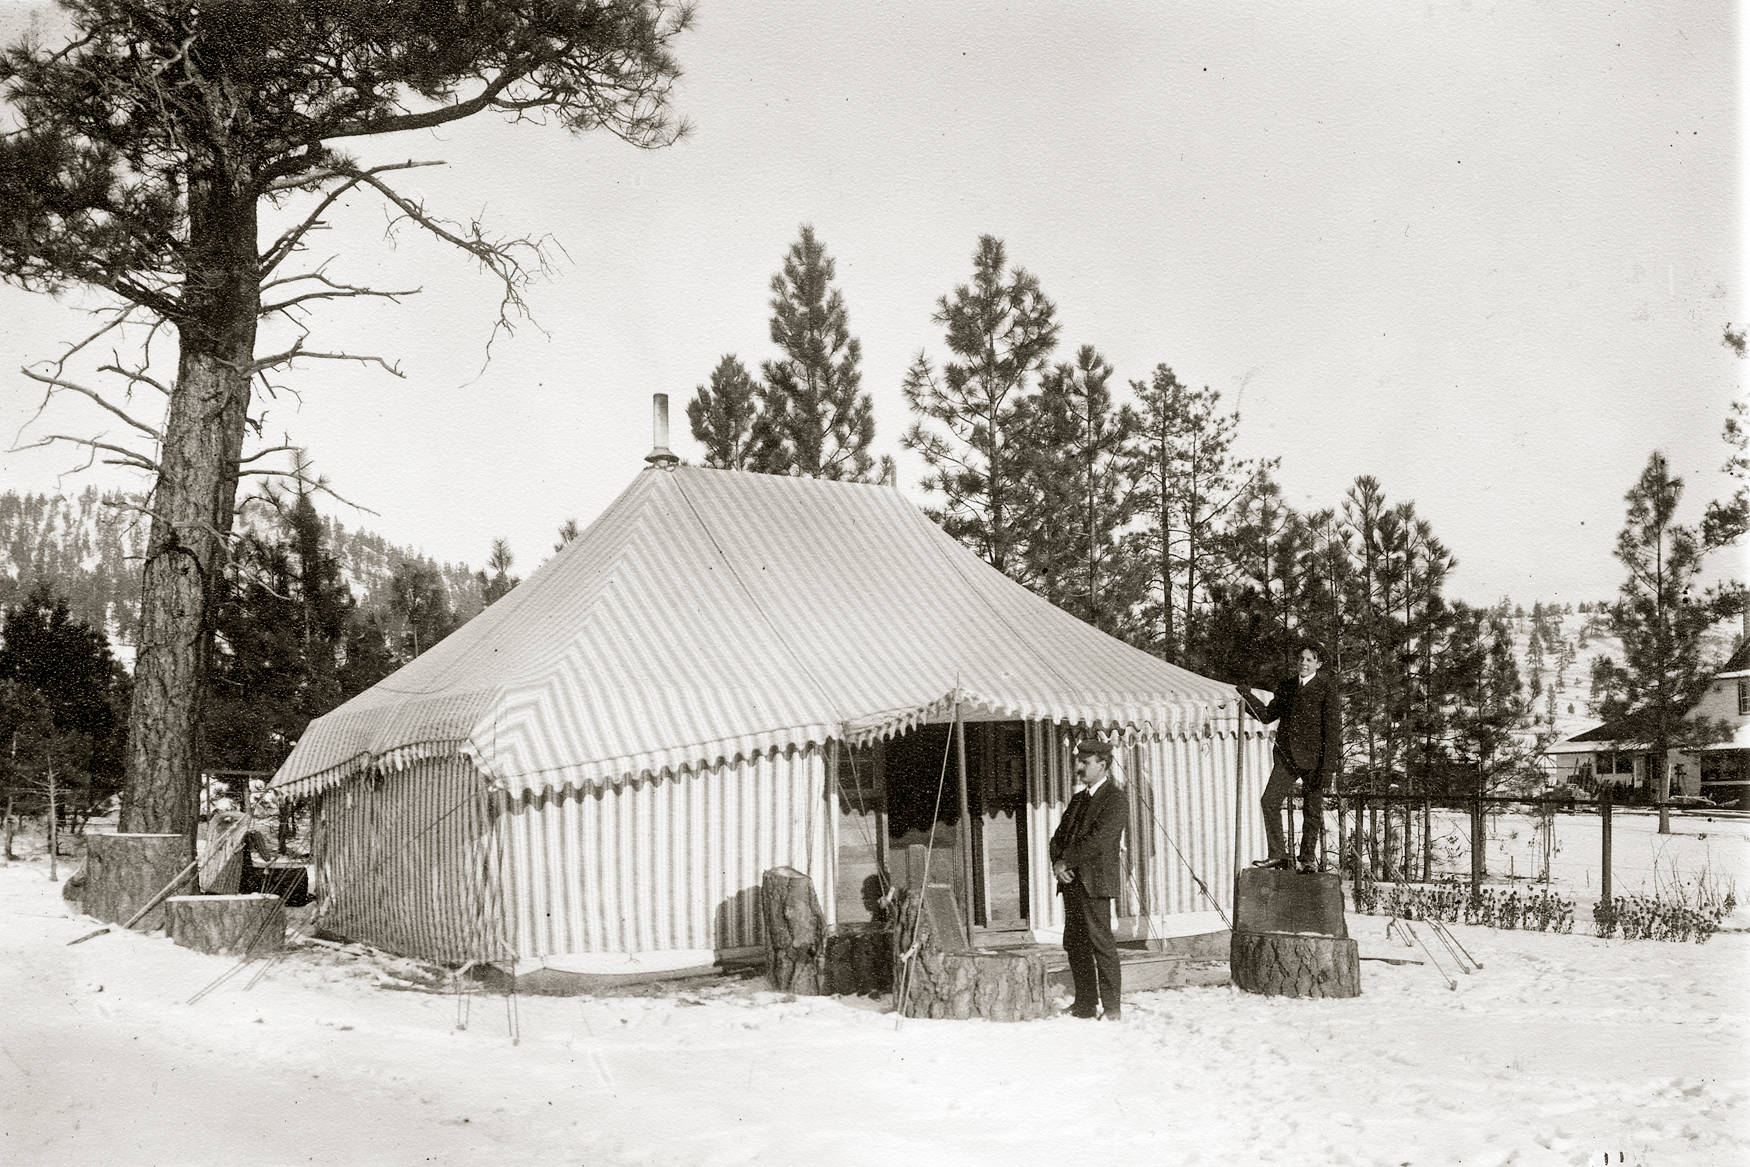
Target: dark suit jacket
<point>1311,733</point>
<point>1087,838</point>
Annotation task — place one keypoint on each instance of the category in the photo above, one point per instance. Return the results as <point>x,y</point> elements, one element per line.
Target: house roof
<point>1633,728</point>
<point>1738,664</point>
<point>710,614</point>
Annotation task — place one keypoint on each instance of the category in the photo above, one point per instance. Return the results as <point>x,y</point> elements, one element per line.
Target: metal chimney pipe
<point>660,454</point>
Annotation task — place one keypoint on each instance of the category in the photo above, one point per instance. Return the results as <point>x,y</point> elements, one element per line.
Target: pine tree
<point>1000,328</point>
<point>1662,614</point>
<point>813,417</point>
<point>419,609</point>
<point>1188,484</point>
<point>67,695</point>
<point>1266,591</point>
<point>496,582</point>
<point>1073,497</point>
<point>721,416</point>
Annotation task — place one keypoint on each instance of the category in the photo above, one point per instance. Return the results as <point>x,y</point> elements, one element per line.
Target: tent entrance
<point>922,803</point>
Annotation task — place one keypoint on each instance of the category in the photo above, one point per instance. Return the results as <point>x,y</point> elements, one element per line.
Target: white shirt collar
<point>1104,779</point>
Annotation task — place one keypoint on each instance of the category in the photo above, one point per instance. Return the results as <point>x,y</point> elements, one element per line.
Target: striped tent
<point>605,759</point>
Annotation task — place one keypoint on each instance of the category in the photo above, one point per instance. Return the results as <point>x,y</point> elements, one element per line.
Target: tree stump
<point>944,978</point>
<point>859,959</point>
<point>997,985</point>
<point>123,872</point>
<point>239,925</point>
<point>1294,964</point>
<point>795,931</point>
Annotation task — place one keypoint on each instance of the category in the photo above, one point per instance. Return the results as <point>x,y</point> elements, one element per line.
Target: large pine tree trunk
<point>192,503</point>
<point>124,872</point>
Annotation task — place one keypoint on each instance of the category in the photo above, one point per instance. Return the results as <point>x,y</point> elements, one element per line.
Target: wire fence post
<point>1476,844</point>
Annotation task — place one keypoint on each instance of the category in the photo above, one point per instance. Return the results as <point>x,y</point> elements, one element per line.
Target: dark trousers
<point>1312,819</point>
<point>1093,954</point>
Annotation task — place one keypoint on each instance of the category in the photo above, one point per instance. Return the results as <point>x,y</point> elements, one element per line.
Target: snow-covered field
<point>1561,1049</point>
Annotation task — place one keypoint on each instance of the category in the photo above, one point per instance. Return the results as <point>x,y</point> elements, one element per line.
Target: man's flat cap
<point>1095,747</point>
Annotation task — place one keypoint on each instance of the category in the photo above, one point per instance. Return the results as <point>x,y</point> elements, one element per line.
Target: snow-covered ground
<point>1561,1049</point>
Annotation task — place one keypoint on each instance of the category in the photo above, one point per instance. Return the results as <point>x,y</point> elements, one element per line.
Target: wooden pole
<point>832,831</point>
<point>54,836</point>
<point>1427,839</point>
<point>1239,786</point>
<point>1604,833</point>
<point>1476,844</point>
<point>965,818</point>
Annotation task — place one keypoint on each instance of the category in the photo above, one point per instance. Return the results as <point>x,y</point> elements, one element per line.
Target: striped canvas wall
<point>403,862</point>
<point>1182,792</point>
<point>665,863</point>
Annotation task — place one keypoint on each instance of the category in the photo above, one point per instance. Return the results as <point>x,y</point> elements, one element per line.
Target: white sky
<point>1484,255</point>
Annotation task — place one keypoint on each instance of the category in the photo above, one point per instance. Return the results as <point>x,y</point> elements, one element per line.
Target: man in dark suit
<point>1309,748</point>
<point>1084,858</point>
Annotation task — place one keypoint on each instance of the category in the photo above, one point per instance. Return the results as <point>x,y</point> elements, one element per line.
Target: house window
<point>1743,698</point>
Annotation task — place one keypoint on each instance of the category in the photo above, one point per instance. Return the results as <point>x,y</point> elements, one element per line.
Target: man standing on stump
<point>1309,747</point>
<point>1084,858</point>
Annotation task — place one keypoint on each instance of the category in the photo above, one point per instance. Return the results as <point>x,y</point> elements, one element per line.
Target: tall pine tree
<point>814,418</point>
<point>1000,329</point>
<point>1073,498</point>
<point>1189,483</point>
<point>1661,614</point>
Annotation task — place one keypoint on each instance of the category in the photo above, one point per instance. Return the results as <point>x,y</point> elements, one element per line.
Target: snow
<point>1560,1049</point>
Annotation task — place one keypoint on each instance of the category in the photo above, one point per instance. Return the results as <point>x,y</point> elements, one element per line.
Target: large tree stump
<point>939,975</point>
<point>1294,964</point>
<point>124,872</point>
<point>795,931</point>
<point>996,985</point>
<point>240,925</point>
<point>859,959</point>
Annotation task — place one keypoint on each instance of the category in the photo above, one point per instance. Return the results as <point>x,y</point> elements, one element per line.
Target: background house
<point>1619,753</point>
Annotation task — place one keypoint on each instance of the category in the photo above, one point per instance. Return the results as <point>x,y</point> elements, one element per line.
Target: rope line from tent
<point>867,832</point>
<point>905,958</point>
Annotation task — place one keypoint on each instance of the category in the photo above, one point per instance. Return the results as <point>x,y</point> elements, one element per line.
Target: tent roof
<point>710,614</point>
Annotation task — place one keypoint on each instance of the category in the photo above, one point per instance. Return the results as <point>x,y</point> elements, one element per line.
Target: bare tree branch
<point>496,256</point>
<point>338,291</point>
<point>126,457</point>
<point>136,375</point>
<point>62,383</point>
<point>298,352</point>
<point>288,242</point>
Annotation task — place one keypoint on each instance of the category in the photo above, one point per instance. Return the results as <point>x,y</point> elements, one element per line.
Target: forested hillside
<point>87,548</point>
